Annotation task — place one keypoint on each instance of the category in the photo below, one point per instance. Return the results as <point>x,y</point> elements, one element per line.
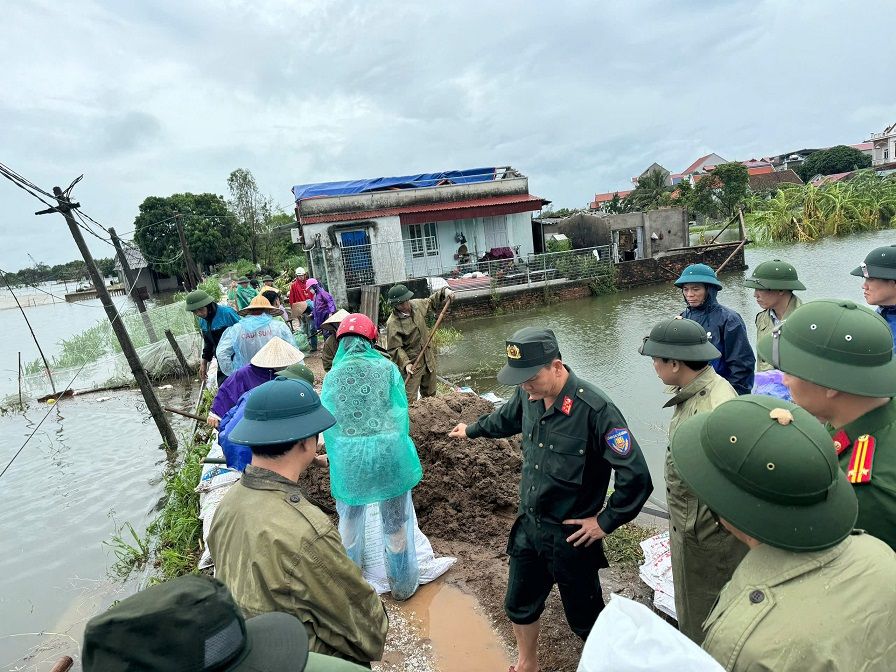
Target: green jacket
<point>275,551</point>
<point>244,296</point>
<point>831,610</point>
<point>877,498</point>
<point>328,351</point>
<point>765,324</point>
<point>405,336</point>
<point>704,554</point>
<point>569,451</point>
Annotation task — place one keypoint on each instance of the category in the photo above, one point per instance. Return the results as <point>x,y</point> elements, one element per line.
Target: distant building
<point>146,280</point>
<point>390,229</point>
<point>654,168</point>
<point>883,146</point>
<point>601,201</point>
<point>769,181</point>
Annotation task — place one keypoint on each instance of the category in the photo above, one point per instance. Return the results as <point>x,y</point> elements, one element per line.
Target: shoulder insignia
<point>619,441</point>
<point>859,470</point>
<point>841,442</point>
<point>566,406</point>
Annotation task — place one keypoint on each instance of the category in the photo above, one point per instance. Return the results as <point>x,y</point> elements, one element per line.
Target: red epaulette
<point>860,463</point>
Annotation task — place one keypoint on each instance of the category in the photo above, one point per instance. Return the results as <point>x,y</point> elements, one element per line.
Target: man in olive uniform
<point>837,359</point>
<point>406,334</point>
<point>774,283</point>
<point>573,437</point>
<point>811,593</point>
<point>879,288</point>
<point>704,555</point>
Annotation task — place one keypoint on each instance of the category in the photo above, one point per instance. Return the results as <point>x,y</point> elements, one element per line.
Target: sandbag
<point>629,636</point>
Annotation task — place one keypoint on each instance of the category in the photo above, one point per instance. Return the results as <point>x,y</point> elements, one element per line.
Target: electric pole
<point>65,207</point>
<point>135,295</point>
<point>193,278</point>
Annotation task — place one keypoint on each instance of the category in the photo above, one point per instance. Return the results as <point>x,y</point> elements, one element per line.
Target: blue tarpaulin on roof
<point>304,191</point>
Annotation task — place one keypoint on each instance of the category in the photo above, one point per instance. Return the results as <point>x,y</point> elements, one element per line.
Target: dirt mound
<point>469,488</point>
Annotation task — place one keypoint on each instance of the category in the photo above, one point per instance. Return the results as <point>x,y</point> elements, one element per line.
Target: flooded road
<point>92,464</point>
<point>599,337</point>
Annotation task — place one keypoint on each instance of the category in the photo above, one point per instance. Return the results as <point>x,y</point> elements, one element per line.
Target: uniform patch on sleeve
<point>619,441</point>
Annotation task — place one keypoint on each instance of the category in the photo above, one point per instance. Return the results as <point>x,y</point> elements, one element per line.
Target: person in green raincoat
<point>244,293</point>
<point>704,555</point>
<point>812,593</point>
<point>774,283</point>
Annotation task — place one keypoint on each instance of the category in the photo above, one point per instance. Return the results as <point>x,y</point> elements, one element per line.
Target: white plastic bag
<point>628,636</point>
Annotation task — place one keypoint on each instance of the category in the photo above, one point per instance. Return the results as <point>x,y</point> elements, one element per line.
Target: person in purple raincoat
<point>323,306</point>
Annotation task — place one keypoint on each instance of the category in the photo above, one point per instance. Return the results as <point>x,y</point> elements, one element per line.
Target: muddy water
<point>461,637</point>
<point>91,463</point>
<point>599,337</point>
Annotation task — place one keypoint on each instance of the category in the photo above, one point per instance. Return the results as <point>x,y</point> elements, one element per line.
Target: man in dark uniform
<point>573,437</point>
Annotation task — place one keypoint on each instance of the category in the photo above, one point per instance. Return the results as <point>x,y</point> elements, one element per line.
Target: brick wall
<point>514,301</point>
<point>669,268</point>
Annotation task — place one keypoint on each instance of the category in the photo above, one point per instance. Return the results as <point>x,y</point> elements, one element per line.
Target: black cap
<point>528,350</point>
<point>191,623</point>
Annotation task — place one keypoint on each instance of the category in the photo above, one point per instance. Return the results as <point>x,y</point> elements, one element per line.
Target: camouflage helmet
<point>880,263</point>
<point>399,294</point>
<point>698,273</point>
<point>774,274</point>
<point>681,339</point>
<point>768,468</point>
<point>836,344</point>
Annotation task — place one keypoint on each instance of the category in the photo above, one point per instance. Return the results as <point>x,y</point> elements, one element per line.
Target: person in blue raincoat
<point>241,341</point>
<point>724,327</point>
<point>214,320</point>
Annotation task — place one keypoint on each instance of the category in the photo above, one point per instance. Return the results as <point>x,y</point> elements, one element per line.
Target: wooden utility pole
<point>193,278</point>
<point>127,347</point>
<point>135,295</point>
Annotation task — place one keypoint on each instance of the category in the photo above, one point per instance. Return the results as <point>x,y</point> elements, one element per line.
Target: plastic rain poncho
<point>241,341</point>
<point>372,456</point>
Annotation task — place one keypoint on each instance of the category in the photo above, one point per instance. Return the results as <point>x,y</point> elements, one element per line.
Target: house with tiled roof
<point>769,181</point>
<point>390,229</point>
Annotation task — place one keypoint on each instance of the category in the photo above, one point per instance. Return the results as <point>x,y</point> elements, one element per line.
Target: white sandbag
<point>656,572</point>
<point>628,636</point>
<point>374,571</point>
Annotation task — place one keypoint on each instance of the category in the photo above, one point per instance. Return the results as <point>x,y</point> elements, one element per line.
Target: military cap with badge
<point>528,351</point>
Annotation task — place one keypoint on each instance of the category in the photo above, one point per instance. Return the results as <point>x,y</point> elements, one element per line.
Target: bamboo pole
<point>177,351</point>
<point>731,256</point>
<point>39,349</point>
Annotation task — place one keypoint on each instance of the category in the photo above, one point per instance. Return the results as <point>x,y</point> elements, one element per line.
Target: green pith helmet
<point>698,273</point>
<point>267,278</point>
<point>880,263</point>
<point>297,372</point>
<point>243,280</point>
<point>681,339</point>
<point>399,294</point>
<point>774,274</point>
<point>769,468</point>
<point>198,299</point>
<point>281,411</point>
<point>836,344</point>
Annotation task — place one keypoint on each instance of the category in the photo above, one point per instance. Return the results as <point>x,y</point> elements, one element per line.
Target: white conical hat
<point>277,354</point>
<point>336,317</point>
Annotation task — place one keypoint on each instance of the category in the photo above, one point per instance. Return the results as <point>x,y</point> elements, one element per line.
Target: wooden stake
<point>121,333</point>
<point>20,378</point>
<point>39,349</point>
<point>178,352</point>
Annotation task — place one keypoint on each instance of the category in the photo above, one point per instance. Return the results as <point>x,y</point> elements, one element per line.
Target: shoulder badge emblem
<point>566,406</point>
<point>513,352</point>
<point>619,441</point>
<point>859,470</point>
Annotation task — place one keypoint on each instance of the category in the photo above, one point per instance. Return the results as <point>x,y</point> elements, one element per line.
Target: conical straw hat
<point>277,354</point>
<point>337,317</point>
<point>258,301</point>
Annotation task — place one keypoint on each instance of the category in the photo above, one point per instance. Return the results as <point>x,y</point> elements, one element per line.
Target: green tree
<point>721,192</point>
<point>651,192</point>
<point>209,227</point>
<point>616,205</point>
<point>251,209</point>
<point>838,159</point>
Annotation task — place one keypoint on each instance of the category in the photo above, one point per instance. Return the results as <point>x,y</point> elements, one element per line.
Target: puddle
<point>461,636</point>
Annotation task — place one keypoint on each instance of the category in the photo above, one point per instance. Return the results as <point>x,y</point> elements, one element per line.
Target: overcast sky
<point>154,98</point>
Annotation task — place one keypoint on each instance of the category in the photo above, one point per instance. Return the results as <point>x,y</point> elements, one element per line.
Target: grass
<point>130,549</point>
<point>623,546</point>
<point>445,337</point>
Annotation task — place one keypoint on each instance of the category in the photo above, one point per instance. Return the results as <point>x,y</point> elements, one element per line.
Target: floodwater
<point>599,337</point>
<point>92,465</point>
<point>95,464</point>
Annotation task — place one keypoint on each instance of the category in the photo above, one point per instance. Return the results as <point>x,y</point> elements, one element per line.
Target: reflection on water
<point>599,337</point>
<point>90,461</point>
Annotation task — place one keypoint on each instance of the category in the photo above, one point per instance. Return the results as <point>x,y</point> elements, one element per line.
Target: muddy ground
<point>466,504</point>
